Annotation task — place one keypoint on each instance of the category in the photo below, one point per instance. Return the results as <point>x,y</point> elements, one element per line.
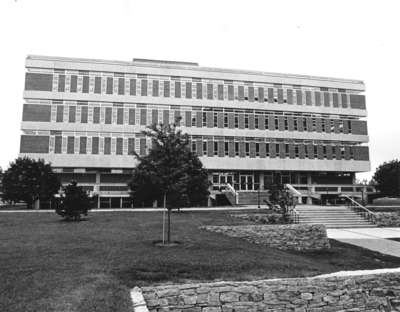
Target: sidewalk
<point>205,209</point>
<point>369,238</point>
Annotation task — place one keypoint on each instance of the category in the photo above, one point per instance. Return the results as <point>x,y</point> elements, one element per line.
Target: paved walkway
<point>226,208</point>
<point>370,238</point>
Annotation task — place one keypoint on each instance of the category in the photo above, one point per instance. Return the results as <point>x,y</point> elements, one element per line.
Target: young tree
<point>74,202</point>
<point>281,198</point>
<point>170,171</point>
<point>387,178</point>
<point>28,180</point>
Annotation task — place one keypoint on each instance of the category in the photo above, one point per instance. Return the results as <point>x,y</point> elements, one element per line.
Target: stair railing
<point>232,190</point>
<point>360,209</point>
<point>294,215</point>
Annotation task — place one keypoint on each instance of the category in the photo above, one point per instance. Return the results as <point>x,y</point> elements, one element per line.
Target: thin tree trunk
<point>169,227</point>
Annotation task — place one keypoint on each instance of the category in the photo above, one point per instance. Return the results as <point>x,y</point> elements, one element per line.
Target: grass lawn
<point>50,265</point>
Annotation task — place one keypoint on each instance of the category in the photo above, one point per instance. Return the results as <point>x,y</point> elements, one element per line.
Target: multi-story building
<point>249,128</point>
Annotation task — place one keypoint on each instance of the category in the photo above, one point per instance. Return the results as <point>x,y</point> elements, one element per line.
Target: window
<point>315,151</point>
<point>199,90</point>
<point>188,90</point>
<point>257,149</point>
<point>74,83</point>
<point>107,146</point>
<point>97,85</point>
<point>109,89</point>
<point>276,121</point>
<point>241,93</point>
<point>61,83</point>
<point>58,144</point>
<point>287,154</point>
<point>286,124</point>
<point>72,112</point>
<point>247,148</point>
<point>131,116</point>
<point>210,91</point>
<point>236,148</point>
<point>230,93</point>
<point>82,145</point>
<point>120,116</point>
<point>215,119</point>
<point>131,146</point>
<point>246,121</point>
<point>226,148</point>
<point>267,149</point>
<point>266,122</point>
<point>119,146</point>
<point>295,126</point>
<point>215,148</point>
<point>121,86</point>
<point>155,88</point>
<point>277,148</point>
<point>204,119</point>
<point>177,89</point>
<point>166,89</point>
<point>96,115</point>
<point>194,149</point>
<point>60,113</point>
<point>194,119</point>
<point>132,87</point>
<point>256,121</point>
<point>108,115</point>
<point>85,84</point>
<point>205,148</point>
<point>296,151</point>
<point>84,114</point>
<point>236,119</point>
<point>95,145</point>
<point>70,145</point>
<point>220,92</point>
<point>143,87</point>
<point>225,120</point>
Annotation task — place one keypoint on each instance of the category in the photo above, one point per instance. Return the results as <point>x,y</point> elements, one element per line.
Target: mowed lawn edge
<point>50,265</point>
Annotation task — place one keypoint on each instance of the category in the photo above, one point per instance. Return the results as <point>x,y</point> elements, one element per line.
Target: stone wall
<point>287,236</point>
<point>388,219</point>
<point>262,218</point>
<point>380,292</point>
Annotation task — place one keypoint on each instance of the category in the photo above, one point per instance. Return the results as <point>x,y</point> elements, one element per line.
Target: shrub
<point>74,203</point>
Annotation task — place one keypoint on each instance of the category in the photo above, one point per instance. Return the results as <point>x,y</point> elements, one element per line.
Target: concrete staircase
<point>332,217</point>
<point>251,197</point>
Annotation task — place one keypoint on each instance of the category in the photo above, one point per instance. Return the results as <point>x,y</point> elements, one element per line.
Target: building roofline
<point>190,65</point>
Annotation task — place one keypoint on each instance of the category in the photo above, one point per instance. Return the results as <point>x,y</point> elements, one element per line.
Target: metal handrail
<point>232,190</point>
<point>365,212</point>
<point>294,214</point>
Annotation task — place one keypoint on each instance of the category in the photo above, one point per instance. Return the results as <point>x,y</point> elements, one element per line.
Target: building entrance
<point>246,182</point>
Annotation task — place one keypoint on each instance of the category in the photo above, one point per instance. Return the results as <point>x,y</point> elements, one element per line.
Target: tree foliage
<point>74,202</point>
<point>170,168</point>
<point>280,197</point>
<point>28,180</point>
<point>387,178</point>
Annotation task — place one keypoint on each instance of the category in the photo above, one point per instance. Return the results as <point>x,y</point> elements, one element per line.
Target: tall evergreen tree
<point>169,171</point>
<point>28,180</point>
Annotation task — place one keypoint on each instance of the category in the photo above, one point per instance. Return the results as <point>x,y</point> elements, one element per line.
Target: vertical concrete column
<point>261,181</point>
<point>97,188</point>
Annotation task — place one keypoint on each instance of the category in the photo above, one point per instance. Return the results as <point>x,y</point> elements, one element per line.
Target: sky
<point>345,39</point>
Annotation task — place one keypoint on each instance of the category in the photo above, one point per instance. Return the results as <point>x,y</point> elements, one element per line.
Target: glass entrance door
<point>246,182</point>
